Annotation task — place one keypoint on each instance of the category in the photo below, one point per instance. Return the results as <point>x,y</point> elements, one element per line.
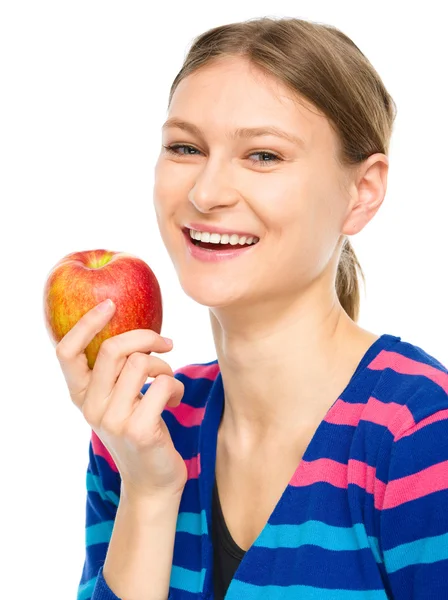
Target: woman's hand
<point>128,423</point>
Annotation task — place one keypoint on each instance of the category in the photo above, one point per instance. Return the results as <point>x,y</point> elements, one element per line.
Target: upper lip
<point>215,229</point>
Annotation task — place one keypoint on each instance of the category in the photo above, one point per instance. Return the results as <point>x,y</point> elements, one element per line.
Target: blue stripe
<point>375,547</point>
<point>85,590</point>
<point>248,591</point>
<point>187,580</point>
<point>311,495</point>
<point>94,484</point>
<point>99,534</point>
<point>316,533</point>
<point>426,550</point>
<point>194,523</point>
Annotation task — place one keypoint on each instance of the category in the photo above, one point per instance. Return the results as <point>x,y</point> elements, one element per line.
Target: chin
<point>217,295</point>
<point>210,292</point>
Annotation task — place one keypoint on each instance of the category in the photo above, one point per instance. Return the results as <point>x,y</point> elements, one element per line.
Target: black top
<point>227,555</point>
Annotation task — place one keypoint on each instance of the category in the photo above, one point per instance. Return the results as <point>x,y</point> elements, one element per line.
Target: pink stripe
<point>193,466</point>
<point>187,415</point>
<point>345,413</point>
<point>438,416</point>
<point>408,366</point>
<point>378,494</point>
<point>319,470</point>
<point>363,475</point>
<point>374,411</point>
<point>411,487</point>
<point>100,450</point>
<point>383,413</point>
<point>340,475</point>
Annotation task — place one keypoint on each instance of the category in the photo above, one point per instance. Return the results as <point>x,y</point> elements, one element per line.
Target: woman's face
<point>296,206</point>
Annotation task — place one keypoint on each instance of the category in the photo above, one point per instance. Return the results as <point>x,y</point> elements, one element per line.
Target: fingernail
<point>169,341</point>
<point>106,305</point>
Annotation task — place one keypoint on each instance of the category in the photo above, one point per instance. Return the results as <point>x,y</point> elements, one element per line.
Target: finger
<point>126,392</point>
<point>111,359</point>
<point>164,391</point>
<point>70,350</point>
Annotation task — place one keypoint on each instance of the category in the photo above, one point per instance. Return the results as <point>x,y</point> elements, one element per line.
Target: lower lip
<point>214,255</point>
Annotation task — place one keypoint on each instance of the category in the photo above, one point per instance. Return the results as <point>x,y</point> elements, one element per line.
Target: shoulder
<point>413,384</point>
<point>413,401</point>
<point>408,405</point>
<point>411,485</point>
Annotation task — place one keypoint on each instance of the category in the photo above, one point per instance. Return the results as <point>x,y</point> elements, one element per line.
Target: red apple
<point>81,280</point>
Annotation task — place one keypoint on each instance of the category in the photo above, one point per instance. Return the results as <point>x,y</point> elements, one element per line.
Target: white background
<point>84,90</point>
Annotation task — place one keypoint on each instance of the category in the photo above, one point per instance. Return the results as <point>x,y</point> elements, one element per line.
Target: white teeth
<point>204,237</point>
<point>217,238</point>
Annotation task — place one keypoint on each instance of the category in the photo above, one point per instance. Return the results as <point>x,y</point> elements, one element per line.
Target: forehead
<point>231,93</point>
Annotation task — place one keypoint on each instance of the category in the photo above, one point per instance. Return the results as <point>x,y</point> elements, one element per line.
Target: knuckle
<point>178,391</point>
<point>139,436</point>
<point>163,379</point>
<point>78,398</point>
<point>62,352</point>
<point>153,335</point>
<point>159,383</point>
<point>110,424</point>
<point>159,363</point>
<point>180,386</point>
<point>159,366</point>
<point>138,361</point>
<point>88,413</point>
<point>109,348</point>
<point>165,383</point>
<point>167,380</point>
<point>167,370</point>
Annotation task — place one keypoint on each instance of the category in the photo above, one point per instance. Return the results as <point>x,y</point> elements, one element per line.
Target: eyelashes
<point>275,158</point>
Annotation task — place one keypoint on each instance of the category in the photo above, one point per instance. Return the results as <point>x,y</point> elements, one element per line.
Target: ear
<point>367,190</point>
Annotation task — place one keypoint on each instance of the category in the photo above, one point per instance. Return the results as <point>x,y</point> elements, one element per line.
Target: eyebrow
<point>241,132</point>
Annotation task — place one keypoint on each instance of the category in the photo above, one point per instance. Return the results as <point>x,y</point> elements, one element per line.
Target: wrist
<point>154,501</point>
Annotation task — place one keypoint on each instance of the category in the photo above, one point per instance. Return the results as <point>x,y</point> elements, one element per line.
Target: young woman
<point>310,460</point>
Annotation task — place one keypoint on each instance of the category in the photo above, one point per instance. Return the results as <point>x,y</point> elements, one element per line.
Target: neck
<point>281,375</point>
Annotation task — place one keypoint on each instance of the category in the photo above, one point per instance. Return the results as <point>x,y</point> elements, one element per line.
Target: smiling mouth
<point>209,246</point>
<point>215,246</point>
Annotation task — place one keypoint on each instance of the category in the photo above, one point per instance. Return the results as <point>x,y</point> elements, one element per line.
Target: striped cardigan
<point>364,516</point>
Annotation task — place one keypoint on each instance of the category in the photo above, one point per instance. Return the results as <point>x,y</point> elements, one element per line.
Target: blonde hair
<point>320,63</point>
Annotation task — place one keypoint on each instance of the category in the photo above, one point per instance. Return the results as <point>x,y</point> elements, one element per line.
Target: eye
<point>175,147</point>
<point>275,158</point>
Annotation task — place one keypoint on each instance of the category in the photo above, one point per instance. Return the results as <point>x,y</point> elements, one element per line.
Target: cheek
<point>291,203</point>
<point>162,186</point>
<point>166,193</point>
<point>324,227</point>
<point>305,224</point>
<point>164,210</point>
<point>321,200</point>
<point>167,179</point>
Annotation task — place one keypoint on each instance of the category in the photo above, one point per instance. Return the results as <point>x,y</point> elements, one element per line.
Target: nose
<point>213,189</point>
